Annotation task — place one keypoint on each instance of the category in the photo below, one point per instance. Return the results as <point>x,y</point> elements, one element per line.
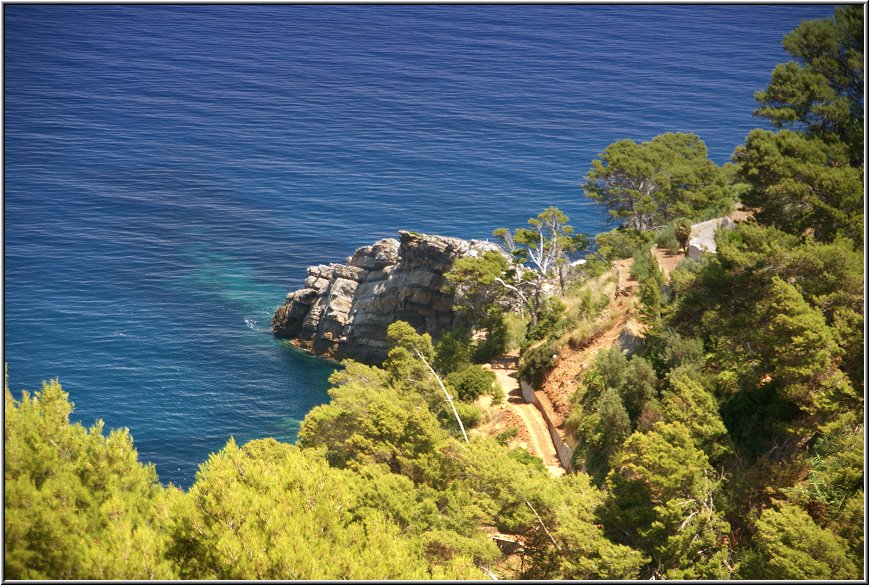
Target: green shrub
<point>535,362</point>
<point>526,458</point>
<point>495,343</point>
<point>469,414</point>
<point>454,350</point>
<point>621,243</point>
<point>652,412</point>
<point>504,438</point>
<point>551,311</point>
<point>472,381</point>
<point>666,238</point>
<point>516,326</point>
<point>612,367</point>
<point>640,386</point>
<point>498,394</point>
<point>684,275</point>
<point>595,265</point>
<point>642,266</point>
<point>668,350</point>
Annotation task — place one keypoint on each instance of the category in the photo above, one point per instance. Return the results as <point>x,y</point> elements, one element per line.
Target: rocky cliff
<point>344,309</point>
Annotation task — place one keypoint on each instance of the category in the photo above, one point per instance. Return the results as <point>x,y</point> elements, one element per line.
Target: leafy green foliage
<point>78,504</point>
<point>835,474</point>
<point>504,438</point>
<point>801,184</point>
<point>683,276</point>
<point>477,282</point>
<point>805,357</point>
<point>497,325</point>
<point>471,382</point>
<point>666,238</point>
<point>504,488</point>
<point>633,379</point>
<point>551,312</point>
<point>546,242</point>
<point>646,270</point>
<point>764,307</point>
<point>621,242</point>
<point>601,433</point>
<point>365,425</point>
<point>469,413</point>
<point>639,386</point>
<point>775,319</point>
<point>822,92</point>
<point>661,496</point>
<point>790,546</point>
<point>686,401</point>
<point>613,397</point>
<point>651,183</point>
<point>272,511</point>
<point>669,350</point>
<point>454,350</point>
<point>536,362</point>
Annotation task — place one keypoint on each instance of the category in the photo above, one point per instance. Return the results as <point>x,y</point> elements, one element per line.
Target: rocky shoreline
<point>344,309</point>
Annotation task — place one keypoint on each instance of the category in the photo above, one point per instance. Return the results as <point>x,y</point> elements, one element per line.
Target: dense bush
<point>469,414</point>
<point>551,312</point>
<point>454,350</point>
<point>497,338</point>
<point>621,243</point>
<point>536,362</point>
<point>666,238</point>
<point>504,438</point>
<point>471,382</point>
<point>78,504</point>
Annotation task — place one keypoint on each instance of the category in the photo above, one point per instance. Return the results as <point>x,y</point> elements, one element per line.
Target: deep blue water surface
<point>171,171</point>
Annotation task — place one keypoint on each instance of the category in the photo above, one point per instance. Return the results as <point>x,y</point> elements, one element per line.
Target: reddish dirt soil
<point>555,393</point>
<point>532,432</point>
<point>563,379</point>
<point>667,260</point>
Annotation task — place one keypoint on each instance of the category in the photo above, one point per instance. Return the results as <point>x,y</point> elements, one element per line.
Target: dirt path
<point>514,412</point>
<point>667,261</point>
<point>563,380</point>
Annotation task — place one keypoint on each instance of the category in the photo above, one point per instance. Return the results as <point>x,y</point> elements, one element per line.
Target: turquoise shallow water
<point>170,171</point>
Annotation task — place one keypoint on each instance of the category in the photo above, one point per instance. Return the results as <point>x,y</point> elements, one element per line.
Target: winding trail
<point>538,441</point>
<point>563,379</point>
<point>667,261</point>
<point>619,326</point>
<point>553,397</point>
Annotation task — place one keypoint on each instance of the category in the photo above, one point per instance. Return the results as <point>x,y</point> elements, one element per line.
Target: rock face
<point>344,309</point>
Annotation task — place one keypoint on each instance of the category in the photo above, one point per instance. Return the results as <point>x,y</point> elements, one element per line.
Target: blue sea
<point>170,171</point>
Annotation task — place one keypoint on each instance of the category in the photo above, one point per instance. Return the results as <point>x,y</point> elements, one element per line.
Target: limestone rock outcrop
<point>344,309</point>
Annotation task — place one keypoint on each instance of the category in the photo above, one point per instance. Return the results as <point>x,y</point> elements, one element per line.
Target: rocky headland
<point>344,309</point>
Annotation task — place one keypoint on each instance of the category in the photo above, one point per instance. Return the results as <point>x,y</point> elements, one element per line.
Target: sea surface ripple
<point>170,171</point>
